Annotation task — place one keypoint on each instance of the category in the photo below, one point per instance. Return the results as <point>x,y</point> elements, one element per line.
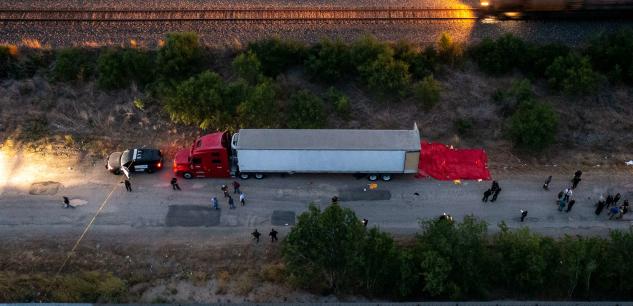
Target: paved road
<point>154,211</point>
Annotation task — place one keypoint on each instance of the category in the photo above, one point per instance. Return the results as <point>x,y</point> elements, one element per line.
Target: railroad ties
<point>262,14</point>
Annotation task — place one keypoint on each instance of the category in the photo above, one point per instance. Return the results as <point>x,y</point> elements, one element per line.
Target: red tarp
<point>443,163</point>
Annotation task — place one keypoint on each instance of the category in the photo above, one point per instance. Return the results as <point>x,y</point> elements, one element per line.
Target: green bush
<point>421,63</point>
<point>7,61</point>
<point>509,99</point>
<point>386,75</point>
<point>329,61</point>
<point>248,67</point>
<point>305,111</point>
<point>73,64</point>
<point>501,55</point>
<point>339,101</point>
<point>463,126</point>
<point>539,57</point>
<point>260,108</point>
<point>277,55</point>
<point>449,52</point>
<point>454,258</point>
<point>427,92</point>
<point>533,126</point>
<point>610,53</point>
<point>367,50</point>
<point>179,58</point>
<point>113,72</point>
<point>200,101</point>
<point>573,75</point>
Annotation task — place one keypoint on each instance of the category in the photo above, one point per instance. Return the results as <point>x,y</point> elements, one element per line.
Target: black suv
<point>135,160</point>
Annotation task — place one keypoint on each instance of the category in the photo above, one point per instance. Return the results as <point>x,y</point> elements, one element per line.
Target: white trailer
<point>377,153</point>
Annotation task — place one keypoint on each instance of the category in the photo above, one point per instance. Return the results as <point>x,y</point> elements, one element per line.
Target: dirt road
<point>154,212</point>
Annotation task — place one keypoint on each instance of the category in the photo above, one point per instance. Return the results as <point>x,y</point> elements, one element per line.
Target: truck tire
<point>373,177</point>
<point>259,176</point>
<point>244,176</point>
<point>386,177</point>
<point>187,175</point>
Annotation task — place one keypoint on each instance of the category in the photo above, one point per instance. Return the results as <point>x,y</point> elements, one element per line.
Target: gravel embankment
<point>234,34</point>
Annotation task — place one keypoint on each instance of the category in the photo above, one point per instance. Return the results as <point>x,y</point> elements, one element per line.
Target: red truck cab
<point>208,157</point>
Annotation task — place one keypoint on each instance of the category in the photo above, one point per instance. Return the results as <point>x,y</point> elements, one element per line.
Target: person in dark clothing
<point>231,203</point>
<point>273,235</point>
<point>609,201</point>
<point>570,205</point>
<point>495,186</point>
<point>67,203</point>
<point>561,194</point>
<point>365,221</point>
<point>599,207</point>
<point>616,199</point>
<point>487,194</point>
<point>625,207</point>
<point>495,195</point>
<point>256,235</point>
<point>574,182</point>
<point>128,185</point>
<point>524,214</point>
<point>546,184</point>
<point>174,184</point>
<point>236,187</point>
<point>334,200</point>
<point>225,190</point>
<point>578,173</point>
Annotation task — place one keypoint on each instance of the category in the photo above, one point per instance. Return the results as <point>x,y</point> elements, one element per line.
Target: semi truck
<point>259,152</point>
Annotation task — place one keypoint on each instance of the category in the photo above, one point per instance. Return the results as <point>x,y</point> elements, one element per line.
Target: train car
<point>526,8</point>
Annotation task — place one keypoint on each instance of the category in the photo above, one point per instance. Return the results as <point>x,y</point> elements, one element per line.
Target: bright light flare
<point>484,3</point>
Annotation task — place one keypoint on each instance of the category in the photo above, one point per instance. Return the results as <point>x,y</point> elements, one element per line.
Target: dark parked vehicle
<point>135,160</point>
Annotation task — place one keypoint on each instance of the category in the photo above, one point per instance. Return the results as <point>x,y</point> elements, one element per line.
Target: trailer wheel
<point>372,177</point>
<point>187,175</point>
<point>149,170</point>
<point>259,176</point>
<point>244,176</point>
<point>386,177</point>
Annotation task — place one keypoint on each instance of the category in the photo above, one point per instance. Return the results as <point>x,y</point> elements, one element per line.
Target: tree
<point>339,101</point>
<point>449,52</point>
<point>367,50</point>
<point>118,68</point>
<point>277,55</point>
<point>580,259</point>
<point>200,101</point>
<point>323,248</point>
<point>180,57</point>
<point>386,75</point>
<point>573,75</point>
<point>260,109</point>
<point>454,258</point>
<point>421,63</point>
<point>533,126</point>
<point>525,259</point>
<point>72,64</point>
<point>427,92</point>
<point>610,53</point>
<point>248,67</point>
<point>500,56</point>
<point>329,61</point>
<point>379,264</point>
<point>305,111</point>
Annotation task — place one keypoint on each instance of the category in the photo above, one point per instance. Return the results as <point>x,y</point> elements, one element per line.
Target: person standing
<point>625,207</point>
<point>561,194</point>
<point>495,195</point>
<point>576,179</point>
<point>524,214</point>
<point>214,203</point>
<point>567,195</point>
<point>231,203</point>
<point>273,235</point>
<point>67,203</point>
<point>225,190</point>
<point>487,194</point>
<point>495,186</point>
<point>609,201</point>
<point>334,200</point>
<point>616,199</point>
<point>365,221</point>
<point>174,184</point>
<point>128,185</point>
<point>236,187</point>
<point>242,199</point>
<point>599,207</point>
<point>570,205</point>
<point>256,235</point>
<point>561,204</point>
<point>546,184</point>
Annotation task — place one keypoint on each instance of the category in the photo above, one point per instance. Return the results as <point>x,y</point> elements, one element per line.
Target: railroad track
<point>258,14</point>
